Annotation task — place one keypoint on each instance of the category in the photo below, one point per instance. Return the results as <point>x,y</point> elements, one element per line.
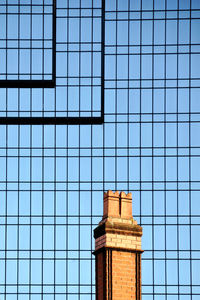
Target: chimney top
<point>117,194</point>
<point>117,205</point>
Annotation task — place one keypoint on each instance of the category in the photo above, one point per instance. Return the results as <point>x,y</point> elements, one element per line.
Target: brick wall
<point>100,275</point>
<point>118,241</point>
<point>123,275</point>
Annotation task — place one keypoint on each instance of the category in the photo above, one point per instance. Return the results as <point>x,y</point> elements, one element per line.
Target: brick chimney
<point>118,250</point>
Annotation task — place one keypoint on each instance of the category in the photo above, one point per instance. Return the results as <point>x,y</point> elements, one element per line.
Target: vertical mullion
<point>18,146</point>
<point>18,197</point>
<point>43,55</point>
<point>54,55</point>
<point>140,120</point>
<point>6,196</point>
<point>91,209</point>
<point>102,57</point>
<point>116,48</point>
<point>42,254</point>
<point>177,147</point>
<point>67,216</point>
<point>152,132</point>
<point>55,198</point>
<point>55,220</point>
<point>165,107</point>
<point>79,223</point>
<point>31,45</point>
<point>43,164</point>
<point>31,141</point>
<point>92,51</point>
<point>128,101</point>
<point>18,42</point>
<point>67,158</point>
<point>79,133</point>
<point>6,55</point>
<point>6,208</point>
<point>54,42</point>
<point>80,48</point>
<point>190,169</point>
<point>102,90</point>
<point>30,236</point>
<point>91,142</point>
<point>67,79</point>
<point>43,58</point>
<point>6,47</point>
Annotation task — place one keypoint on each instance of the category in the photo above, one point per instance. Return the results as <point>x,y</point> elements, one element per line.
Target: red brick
<point>118,252</point>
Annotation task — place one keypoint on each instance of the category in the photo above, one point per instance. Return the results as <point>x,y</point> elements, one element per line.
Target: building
<point>142,58</point>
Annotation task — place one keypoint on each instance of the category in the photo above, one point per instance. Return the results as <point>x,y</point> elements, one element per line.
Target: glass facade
<point>52,177</point>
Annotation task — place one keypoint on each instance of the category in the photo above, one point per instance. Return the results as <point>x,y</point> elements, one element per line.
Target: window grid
<point>54,176</point>
<point>74,93</point>
<point>23,45</point>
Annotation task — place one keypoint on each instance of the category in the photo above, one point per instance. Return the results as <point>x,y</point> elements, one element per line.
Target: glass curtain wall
<point>52,177</point>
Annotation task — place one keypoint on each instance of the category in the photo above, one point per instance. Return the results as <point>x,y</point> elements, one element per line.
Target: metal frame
<point>31,83</point>
<point>52,84</point>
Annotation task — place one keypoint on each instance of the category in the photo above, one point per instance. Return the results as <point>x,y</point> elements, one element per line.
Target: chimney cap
<point>117,205</point>
<point>117,194</point>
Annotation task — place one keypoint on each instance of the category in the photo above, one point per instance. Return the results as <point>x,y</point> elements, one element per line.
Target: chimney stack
<point>118,250</point>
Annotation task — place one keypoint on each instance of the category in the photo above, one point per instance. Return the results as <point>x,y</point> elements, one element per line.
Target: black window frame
<point>52,84</point>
